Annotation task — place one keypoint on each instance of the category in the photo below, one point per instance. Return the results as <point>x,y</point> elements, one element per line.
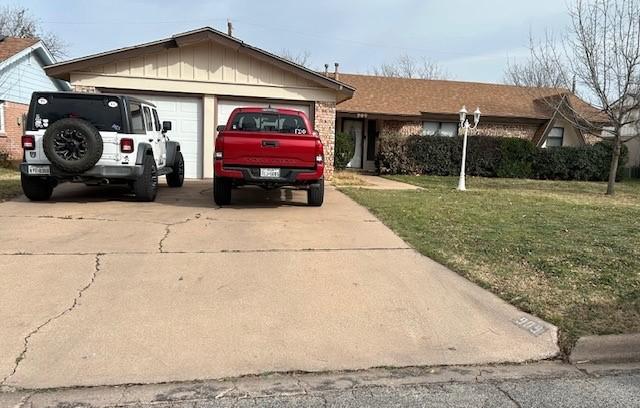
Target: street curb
<point>618,348</point>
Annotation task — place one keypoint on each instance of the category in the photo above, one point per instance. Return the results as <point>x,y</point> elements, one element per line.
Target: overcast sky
<point>471,39</point>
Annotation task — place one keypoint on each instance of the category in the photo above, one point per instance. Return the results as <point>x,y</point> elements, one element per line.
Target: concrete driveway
<point>97,290</point>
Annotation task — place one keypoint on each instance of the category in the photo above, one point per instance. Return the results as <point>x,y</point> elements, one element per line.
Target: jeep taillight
<point>28,142</point>
<point>126,145</point>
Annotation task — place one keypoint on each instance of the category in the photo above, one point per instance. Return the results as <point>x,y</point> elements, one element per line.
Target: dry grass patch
<point>348,179</point>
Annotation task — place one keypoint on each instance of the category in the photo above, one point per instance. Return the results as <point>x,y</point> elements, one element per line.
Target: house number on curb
<point>529,325</point>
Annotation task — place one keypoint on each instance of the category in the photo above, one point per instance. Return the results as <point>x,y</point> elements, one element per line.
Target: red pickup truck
<point>271,148</point>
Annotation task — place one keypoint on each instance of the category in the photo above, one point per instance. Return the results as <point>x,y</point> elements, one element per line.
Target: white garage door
<point>185,114</point>
<point>226,107</point>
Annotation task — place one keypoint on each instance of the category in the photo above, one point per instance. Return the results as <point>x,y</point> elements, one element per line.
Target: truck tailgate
<point>269,149</point>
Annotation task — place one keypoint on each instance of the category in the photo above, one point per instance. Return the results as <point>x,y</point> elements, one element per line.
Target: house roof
<point>63,69</point>
<point>10,46</point>
<point>420,97</point>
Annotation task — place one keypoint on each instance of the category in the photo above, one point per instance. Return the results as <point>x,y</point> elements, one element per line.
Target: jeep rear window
<point>269,122</point>
<point>105,113</point>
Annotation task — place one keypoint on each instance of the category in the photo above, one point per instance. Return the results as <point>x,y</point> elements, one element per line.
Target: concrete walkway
<point>100,290</point>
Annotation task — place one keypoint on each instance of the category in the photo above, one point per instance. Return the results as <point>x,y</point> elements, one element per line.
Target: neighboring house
<point>384,105</point>
<point>197,78</point>
<point>630,136</point>
<point>21,73</point>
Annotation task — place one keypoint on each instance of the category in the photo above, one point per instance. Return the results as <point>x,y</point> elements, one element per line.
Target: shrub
<point>344,150</point>
<point>393,157</point>
<point>495,157</point>
<point>4,159</point>
<point>516,158</point>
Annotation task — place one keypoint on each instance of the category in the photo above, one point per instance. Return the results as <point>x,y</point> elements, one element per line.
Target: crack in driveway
<point>23,353</point>
<point>167,230</point>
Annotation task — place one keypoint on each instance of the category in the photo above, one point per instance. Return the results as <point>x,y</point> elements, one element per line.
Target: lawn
<point>560,250</point>
<point>9,183</point>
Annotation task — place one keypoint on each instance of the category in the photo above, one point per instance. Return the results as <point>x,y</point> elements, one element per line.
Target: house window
<point>555,138</point>
<point>440,128</point>
<point>2,130</point>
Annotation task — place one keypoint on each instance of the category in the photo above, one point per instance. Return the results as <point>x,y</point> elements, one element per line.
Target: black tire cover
<point>72,145</point>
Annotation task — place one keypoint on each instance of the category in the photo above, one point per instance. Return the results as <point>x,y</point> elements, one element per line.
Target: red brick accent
<point>325,124</point>
<point>10,140</point>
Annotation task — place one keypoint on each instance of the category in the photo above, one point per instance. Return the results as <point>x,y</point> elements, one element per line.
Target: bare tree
<point>302,58</point>
<point>533,73</point>
<point>18,21</point>
<point>599,52</point>
<point>405,66</point>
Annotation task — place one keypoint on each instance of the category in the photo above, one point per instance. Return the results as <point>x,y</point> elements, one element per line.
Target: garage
<point>185,115</point>
<point>197,78</point>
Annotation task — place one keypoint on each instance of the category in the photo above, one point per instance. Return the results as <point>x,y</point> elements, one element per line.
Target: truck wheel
<point>145,187</point>
<point>222,191</point>
<point>176,177</point>
<point>72,145</point>
<point>315,194</point>
<point>37,188</point>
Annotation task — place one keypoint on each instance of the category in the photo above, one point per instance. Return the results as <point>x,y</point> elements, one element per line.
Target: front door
<point>355,129</point>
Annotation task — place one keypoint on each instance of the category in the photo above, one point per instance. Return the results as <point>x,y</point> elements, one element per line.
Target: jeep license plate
<point>39,170</point>
<point>270,173</point>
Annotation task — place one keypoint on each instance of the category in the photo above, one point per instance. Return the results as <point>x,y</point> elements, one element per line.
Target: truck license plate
<point>270,173</point>
<point>39,170</point>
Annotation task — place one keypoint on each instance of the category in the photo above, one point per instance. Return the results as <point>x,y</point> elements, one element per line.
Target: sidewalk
<point>550,384</point>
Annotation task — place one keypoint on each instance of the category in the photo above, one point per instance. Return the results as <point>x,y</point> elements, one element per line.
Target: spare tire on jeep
<point>72,145</point>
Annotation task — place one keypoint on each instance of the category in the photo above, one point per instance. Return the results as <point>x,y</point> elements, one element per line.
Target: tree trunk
<point>613,170</point>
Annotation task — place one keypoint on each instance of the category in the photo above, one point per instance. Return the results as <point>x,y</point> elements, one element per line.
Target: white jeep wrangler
<point>96,139</point>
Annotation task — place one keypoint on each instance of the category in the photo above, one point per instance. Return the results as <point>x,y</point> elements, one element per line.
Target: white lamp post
<point>464,123</point>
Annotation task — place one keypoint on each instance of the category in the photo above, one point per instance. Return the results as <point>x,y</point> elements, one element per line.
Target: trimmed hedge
<point>494,157</point>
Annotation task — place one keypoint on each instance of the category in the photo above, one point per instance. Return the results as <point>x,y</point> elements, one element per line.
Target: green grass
<point>9,183</point>
<point>560,250</point>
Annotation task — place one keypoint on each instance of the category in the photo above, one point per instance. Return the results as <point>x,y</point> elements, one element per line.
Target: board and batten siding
<point>207,62</point>
<point>21,78</point>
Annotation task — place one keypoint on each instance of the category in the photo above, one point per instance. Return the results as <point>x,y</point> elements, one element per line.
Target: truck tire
<point>315,194</point>
<point>72,145</point>
<point>145,188</point>
<point>36,188</point>
<point>222,191</point>
<point>176,177</point>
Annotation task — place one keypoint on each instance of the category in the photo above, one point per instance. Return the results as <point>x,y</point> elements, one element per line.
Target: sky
<point>471,39</point>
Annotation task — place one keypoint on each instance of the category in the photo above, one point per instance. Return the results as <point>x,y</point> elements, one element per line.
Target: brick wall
<point>398,127</point>
<point>83,88</point>
<point>408,128</point>
<point>10,140</point>
<point>325,124</point>
<point>520,131</point>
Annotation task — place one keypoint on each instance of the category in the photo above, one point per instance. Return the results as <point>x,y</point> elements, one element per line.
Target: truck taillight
<point>126,145</point>
<point>319,158</point>
<point>218,155</point>
<point>28,142</point>
<point>319,151</point>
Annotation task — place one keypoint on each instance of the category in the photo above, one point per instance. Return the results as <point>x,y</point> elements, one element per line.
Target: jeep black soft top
<point>107,112</point>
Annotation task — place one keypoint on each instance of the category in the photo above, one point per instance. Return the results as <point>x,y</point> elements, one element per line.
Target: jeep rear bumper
<point>100,172</point>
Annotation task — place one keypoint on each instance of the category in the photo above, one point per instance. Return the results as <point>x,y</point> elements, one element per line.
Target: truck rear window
<point>269,122</point>
<point>105,113</point>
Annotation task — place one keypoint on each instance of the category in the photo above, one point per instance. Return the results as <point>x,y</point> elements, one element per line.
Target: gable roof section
<point>62,70</point>
<point>419,97</point>
<point>10,46</point>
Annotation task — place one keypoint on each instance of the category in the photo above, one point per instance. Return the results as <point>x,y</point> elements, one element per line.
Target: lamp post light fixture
<point>464,123</point>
